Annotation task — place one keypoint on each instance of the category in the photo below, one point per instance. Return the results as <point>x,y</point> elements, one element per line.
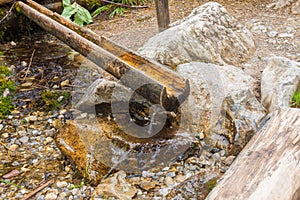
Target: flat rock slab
<point>208,34</point>
<point>98,147</point>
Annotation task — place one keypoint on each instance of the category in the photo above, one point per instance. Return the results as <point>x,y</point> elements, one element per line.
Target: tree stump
<point>162,12</point>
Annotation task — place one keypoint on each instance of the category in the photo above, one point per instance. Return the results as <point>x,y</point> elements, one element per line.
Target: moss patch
<point>52,100</point>
<point>295,103</point>
<point>7,88</point>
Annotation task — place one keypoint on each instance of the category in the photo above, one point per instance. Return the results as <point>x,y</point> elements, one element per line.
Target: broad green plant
<point>75,12</point>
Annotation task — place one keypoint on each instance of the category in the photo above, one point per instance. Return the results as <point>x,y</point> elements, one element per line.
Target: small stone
<point>55,79</point>
<point>65,83</point>
<point>26,84</point>
<point>23,63</point>
<point>180,178</point>
<point>50,196</point>
<point>55,87</point>
<point>56,123</point>
<point>48,140</point>
<point>32,118</point>
<point>169,181</point>
<point>164,191</point>
<point>147,185</point>
<point>24,169</point>
<point>12,43</point>
<point>67,169</point>
<point>147,174</point>
<point>5,135</point>
<point>165,169</point>
<point>228,161</point>
<point>60,98</point>
<point>201,135</point>
<point>171,174</point>
<point>13,147</point>
<point>75,191</point>
<point>285,35</point>
<point>24,139</point>
<point>272,33</point>
<point>61,112</point>
<point>62,194</point>
<point>272,41</point>
<point>40,197</point>
<point>216,157</point>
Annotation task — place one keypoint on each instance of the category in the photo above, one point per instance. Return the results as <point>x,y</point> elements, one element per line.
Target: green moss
<point>295,103</point>
<point>50,99</point>
<point>6,106</point>
<point>6,102</point>
<point>4,71</point>
<point>10,85</point>
<point>211,183</point>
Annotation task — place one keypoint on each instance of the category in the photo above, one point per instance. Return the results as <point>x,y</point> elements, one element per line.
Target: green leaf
<point>78,20</point>
<point>84,14</point>
<point>100,10</point>
<point>69,11</point>
<point>66,3</point>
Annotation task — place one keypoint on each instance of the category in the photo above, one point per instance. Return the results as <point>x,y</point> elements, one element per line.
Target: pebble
<point>272,41</point>
<point>50,196</point>
<point>23,63</point>
<point>165,169</point>
<point>272,33</point>
<point>164,191</point>
<point>171,174</point>
<point>13,147</point>
<point>12,43</point>
<point>147,174</point>
<point>285,35</point>
<point>61,112</point>
<point>24,139</point>
<point>228,161</point>
<point>48,140</point>
<point>32,118</point>
<point>147,185</point>
<point>5,135</point>
<point>169,181</point>
<point>65,83</point>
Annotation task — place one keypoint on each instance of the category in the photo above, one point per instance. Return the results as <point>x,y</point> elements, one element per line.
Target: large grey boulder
<point>280,79</point>
<point>221,104</point>
<point>208,34</point>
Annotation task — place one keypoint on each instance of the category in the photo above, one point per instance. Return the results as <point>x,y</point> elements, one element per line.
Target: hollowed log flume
<point>160,85</point>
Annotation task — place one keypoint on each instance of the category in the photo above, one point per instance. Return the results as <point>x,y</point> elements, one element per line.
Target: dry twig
<point>36,190</point>
<point>28,68</point>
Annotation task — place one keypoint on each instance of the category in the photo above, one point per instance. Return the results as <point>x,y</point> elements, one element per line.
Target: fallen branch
<point>29,65</point>
<point>39,188</point>
<point>123,5</point>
